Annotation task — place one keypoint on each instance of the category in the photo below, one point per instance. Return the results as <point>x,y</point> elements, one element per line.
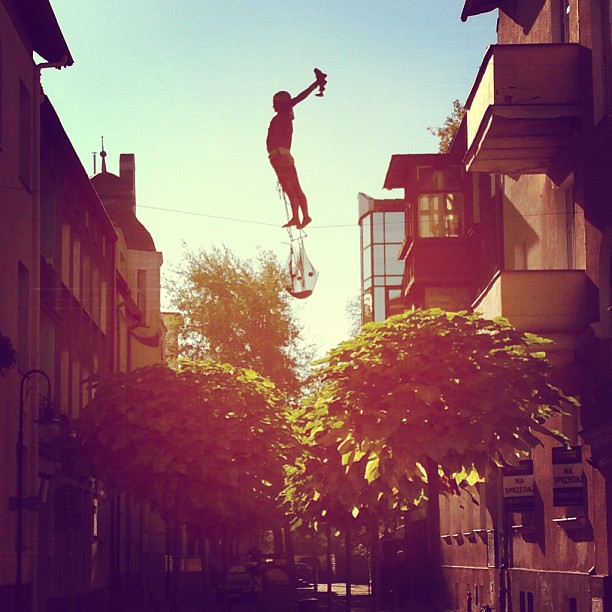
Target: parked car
<point>240,585</point>
<point>305,574</point>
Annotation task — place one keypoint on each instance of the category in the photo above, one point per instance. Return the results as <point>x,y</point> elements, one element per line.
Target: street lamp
<point>21,503</point>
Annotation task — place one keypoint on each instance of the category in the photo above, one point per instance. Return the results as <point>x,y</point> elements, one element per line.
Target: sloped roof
<point>136,235</point>
<point>402,166</point>
<point>40,23</point>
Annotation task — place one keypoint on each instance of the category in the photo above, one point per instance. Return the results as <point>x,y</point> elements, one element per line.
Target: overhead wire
<point>268,224</point>
<point>200,214</point>
<point>235,219</point>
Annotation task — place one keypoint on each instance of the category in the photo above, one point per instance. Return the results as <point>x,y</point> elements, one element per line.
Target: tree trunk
<point>329,568</point>
<point>315,554</point>
<point>347,552</point>
<point>224,564</point>
<point>175,576</point>
<point>433,537</point>
<point>279,545</point>
<point>375,566</point>
<point>205,568</point>
<point>290,555</point>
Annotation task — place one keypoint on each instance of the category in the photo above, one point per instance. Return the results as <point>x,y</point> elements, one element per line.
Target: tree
<point>206,443</point>
<point>238,311</point>
<point>425,397</point>
<point>447,132</point>
<point>352,309</point>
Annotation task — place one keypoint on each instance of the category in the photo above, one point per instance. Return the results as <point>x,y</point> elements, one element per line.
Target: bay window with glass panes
<point>382,235</point>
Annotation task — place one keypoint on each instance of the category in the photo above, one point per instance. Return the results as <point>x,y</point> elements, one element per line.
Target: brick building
<point>515,220</point>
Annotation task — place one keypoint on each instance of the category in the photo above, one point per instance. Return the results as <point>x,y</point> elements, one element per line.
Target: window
<point>65,376</point>
<point>76,269</point>
<point>565,25</point>
<point>367,313</point>
<point>440,215</point>
<point>367,263</point>
<point>1,91</point>
<point>66,254</point>
<point>570,231</point>
<point>430,178</point>
<point>95,292</point>
<point>47,227</point>
<point>103,306</point>
<point>23,318</point>
<point>141,283</point>
<point>87,288</point>
<point>25,135</point>
<point>526,602</point>
<point>75,387</point>
<point>382,234</point>
<point>47,343</point>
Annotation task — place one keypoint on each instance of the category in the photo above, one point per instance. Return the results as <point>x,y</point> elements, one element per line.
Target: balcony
<point>539,301</point>
<point>528,103</point>
<point>439,272</point>
<point>441,261</point>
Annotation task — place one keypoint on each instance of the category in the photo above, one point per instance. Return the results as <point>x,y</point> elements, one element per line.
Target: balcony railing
<point>528,103</point>
<point>439,272</point>
<point>539,301</point>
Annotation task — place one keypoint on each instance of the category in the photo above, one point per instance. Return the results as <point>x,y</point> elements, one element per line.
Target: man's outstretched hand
<point>321,78</point>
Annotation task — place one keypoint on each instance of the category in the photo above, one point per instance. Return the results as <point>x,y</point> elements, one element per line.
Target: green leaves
<point>371,471</point>
<point>237,311</point>
<point>199,440</point>
<point>425,398</point>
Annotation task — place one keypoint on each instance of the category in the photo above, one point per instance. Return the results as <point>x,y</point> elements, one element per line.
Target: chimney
<point>127,174</point>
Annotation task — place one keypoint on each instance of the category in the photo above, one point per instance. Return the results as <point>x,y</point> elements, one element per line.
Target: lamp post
<point>21,503</point>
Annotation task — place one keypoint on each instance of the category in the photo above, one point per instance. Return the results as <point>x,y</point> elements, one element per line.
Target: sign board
<point>519,487</point>
<point>568,477</point>
<point>597,604</point>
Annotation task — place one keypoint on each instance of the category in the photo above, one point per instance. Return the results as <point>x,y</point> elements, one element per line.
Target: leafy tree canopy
<point>206,443</point>
<point>238,311</point>
<point>352,309</point>
<point>423,397</point>
<point>447,132</point>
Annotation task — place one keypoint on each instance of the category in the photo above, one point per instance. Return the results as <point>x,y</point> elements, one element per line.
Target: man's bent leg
<point>285,171</point>
<point>296,195</point>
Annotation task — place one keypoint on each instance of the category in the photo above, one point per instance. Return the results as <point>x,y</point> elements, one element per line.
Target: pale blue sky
<point>186,86</point>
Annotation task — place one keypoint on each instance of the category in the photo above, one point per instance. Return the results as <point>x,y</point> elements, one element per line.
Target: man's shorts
<point>284,165</point>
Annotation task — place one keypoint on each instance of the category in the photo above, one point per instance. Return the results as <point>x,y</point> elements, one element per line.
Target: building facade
<point>25,28</point>
<point>515,221</point>
<point>80,280</point>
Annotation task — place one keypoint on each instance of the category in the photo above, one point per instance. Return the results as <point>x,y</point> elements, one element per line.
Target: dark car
<point>240,586</point>
<point>305,574</point>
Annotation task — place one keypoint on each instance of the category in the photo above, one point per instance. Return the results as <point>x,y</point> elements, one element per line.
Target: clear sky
<point>187,85</point>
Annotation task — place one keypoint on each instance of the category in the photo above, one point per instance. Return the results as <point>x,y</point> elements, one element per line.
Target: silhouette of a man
<point>278,142</point>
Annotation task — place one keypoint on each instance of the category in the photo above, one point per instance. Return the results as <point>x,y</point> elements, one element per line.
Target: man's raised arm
<point>320,82</point>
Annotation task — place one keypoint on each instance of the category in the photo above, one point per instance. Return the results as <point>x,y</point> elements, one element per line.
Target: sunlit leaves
<point>426,397</point>
<point>209,440</point>
<point>237,310</point>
